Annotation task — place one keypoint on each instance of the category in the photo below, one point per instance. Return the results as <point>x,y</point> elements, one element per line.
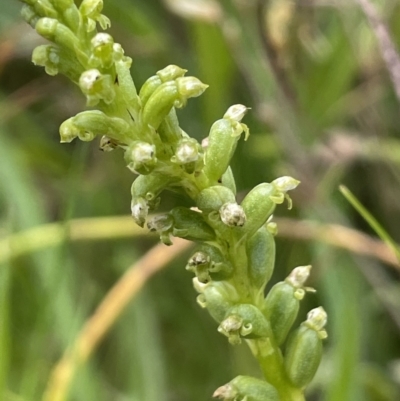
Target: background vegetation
<point>324,109</point>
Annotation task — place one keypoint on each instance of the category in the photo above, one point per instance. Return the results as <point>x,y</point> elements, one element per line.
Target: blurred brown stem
<point>385,42</point>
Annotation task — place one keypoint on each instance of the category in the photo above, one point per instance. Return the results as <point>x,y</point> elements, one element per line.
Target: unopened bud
<point>91,9</point>
<point>171,72</point>
<point>149,187</point>
<point>68,132</point>
<point>188,87</point>
<point>217,296</point>
<point>228,180</point>
<point>52,29</point>
<point>222,141</point>
<point>304,351</point>
<point>48,57</point>
<point>88,124</point>
<point>244,320</point>
<point>62,5</point>
<point>191,225</point>
<point>213,198</point>
<point>29,14</point>
<point>283,302</point>
<point>247,388</point>
<point>260,250</point>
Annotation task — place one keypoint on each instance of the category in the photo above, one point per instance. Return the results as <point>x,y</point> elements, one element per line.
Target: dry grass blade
<point>106,314</point>
<point>106,228</point>
<point>338,236</point>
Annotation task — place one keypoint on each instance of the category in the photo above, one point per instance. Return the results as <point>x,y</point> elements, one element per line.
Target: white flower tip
<point>88,78</point>
<point>285,183</point>
<point>298,276</point>
<point>317,318</point>
<point>236,112</point>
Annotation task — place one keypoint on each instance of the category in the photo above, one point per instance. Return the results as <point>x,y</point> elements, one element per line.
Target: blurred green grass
<point>330,118</point>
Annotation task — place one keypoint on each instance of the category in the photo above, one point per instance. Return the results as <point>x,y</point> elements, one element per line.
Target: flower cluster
<point>236,253</point>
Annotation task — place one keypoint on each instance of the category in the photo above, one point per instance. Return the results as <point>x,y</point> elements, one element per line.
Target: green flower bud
<point>88,124</point>
<point>48,57</point>
<point>159,104</point>
<point>70,13</point>
<point>141,157</point>
<point>304,351</point>
<point>96,86</point>
<point>91,10</point>
<point>170,94</point>
<point>283,301</point>
<point>170,132</point>
<point>29,14</point>
<point>245,388</point>
<point>169,73</point>
<point>102,46</point>
<point>140,210</point>
<point>188,87</point>
<point>228,180</point>
<point>149,188</point>
<point>62,5</point>
<point>191,225</point>
<point>260,250</point>
<point>148,88</point>
<point>258,207</point>
<point>213,198</point>
<point>55,60</point>
<point>260,202</point>
<point>232,214</point>
<point>56,32</point>
<point>244,320</point>
<point>42,8</point>
<point>126,86</point>
<point>222,141</point>
<point>188,155</point>
<point>217,296</point>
